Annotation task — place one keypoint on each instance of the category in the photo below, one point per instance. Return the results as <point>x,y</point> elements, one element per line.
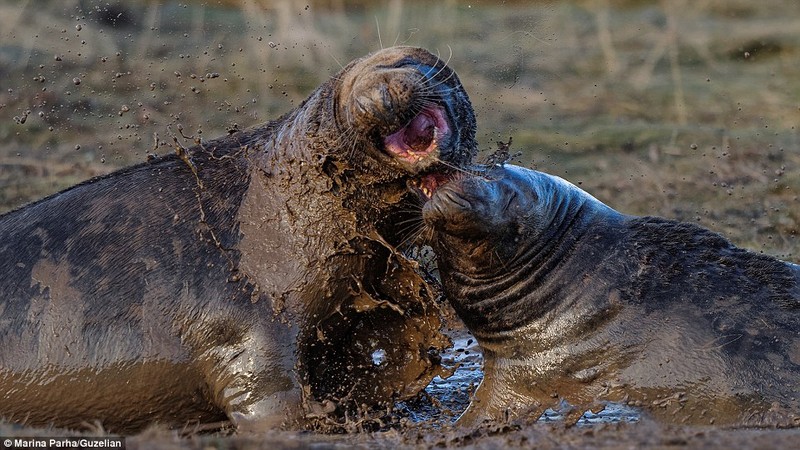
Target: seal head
<point>406,108</point>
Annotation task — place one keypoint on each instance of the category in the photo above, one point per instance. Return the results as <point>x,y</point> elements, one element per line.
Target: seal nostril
<point>386,97</point>
<point>361,103</point>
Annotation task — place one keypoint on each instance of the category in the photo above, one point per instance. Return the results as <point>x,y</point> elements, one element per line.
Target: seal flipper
<point>257,386</point>
<point>495,401</point>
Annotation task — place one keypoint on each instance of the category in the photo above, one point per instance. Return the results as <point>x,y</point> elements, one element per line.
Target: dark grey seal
<point>572,301</point>
<point>252,278</point>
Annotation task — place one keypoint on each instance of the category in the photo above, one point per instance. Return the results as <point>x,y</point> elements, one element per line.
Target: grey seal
<point>251,278</point>
<point>572,301</point>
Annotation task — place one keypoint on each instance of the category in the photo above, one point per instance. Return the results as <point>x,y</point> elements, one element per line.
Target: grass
<point>616,94</point>
<point>682,109</point>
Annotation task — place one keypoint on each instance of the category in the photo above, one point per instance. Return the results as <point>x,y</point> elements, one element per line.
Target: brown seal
<point>253,277</point>
<point>572,301</point>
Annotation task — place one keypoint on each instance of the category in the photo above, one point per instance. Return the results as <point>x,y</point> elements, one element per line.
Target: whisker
<point>334,77</point>
<point>442,68</point>
<point>413,220</point>
<point>378,26</point>
<point>463,170</point>
<point>503,265</point>
<point>442,81</point>
<point>414,206</point>
<point>435,91</point>
<point>328,51</point>
<point>413,237</point>
<point>439,59</point>
<point>422,103</point>
<point>430,235</point>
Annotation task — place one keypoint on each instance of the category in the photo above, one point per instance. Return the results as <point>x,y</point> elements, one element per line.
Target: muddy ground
<point>688,110</point>
<point>428,422</point>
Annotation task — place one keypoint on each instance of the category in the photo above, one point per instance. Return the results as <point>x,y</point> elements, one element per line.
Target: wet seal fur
<point>572,301</point>
<point>251,278</point>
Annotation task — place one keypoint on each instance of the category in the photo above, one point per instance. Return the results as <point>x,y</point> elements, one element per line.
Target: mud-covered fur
<point>249,278</point>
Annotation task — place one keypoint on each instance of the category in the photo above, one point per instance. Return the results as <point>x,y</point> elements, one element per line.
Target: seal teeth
<point>423,188</point>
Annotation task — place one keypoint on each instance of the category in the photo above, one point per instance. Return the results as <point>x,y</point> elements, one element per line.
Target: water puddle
<point>446,399</point>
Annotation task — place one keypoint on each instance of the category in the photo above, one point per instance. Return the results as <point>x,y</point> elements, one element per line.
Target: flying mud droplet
<point>21,119</point>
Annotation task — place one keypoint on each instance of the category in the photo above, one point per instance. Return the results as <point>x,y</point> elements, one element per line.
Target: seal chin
<point>420,137</point>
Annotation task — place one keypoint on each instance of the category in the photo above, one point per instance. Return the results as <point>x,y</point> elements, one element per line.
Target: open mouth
<point>420,137</point>
<point>426,185</point>
<point>419,140</point>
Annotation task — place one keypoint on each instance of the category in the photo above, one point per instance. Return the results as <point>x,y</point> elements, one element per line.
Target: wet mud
<point>445,399</point>
<point>427,422</point>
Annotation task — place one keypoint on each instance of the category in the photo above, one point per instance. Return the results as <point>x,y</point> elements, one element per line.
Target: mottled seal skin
<point>571,300</point>
<point>250,278</point>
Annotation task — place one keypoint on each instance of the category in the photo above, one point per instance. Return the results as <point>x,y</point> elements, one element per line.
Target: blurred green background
<point>684,109</point>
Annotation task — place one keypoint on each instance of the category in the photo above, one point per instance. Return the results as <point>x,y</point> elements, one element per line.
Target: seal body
<point>574,302</point>
<point>250,278</point>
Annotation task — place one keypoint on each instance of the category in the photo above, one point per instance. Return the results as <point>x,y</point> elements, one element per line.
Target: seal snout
<point>456,207</point>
